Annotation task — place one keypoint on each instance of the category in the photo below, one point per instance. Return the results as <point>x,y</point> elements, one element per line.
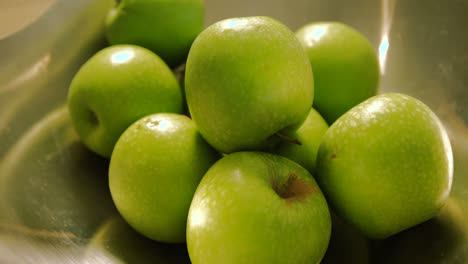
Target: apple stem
<point>293,188</point>
<point>288,139</point>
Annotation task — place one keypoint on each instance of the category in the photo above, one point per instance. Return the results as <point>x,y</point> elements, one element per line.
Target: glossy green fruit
<point>386,165</point>
<point>310,135</point>
<point>345,67</point>
<point>167,27</point>
<point>246,79</point>
<point>254,207</point>
<point>154,171</point>
<point>116,87</point>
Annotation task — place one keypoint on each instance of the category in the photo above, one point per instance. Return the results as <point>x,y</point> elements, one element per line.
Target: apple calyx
<point>293,189</point>
<point>93,118</point>
<point>288,139</point>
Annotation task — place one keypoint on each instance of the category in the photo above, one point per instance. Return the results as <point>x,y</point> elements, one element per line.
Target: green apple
<point>116,87</point>
<point>247,79</point>
<point>345,67</point>
<point>154,171</point>
<point>167,27</point>
<point>254,207</point>
<point>310,135</point>
<point>386,165</point>
<point>116,243</point>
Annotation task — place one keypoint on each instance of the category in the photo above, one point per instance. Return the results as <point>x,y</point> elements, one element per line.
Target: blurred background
<point>55,206</point>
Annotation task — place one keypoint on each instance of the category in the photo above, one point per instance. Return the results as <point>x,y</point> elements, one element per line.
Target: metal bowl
<point>55,205</point>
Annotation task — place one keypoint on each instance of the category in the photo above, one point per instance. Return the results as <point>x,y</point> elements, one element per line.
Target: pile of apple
<point>237,180</point>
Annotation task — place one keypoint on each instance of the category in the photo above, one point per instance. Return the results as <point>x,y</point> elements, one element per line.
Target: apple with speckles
<point>154,171</point>
<point>246,80</point>
<point>254,207</point>
<point>345,65</point>
<point>166,27</point>
<point>116,87</point>
<point>386,165</point>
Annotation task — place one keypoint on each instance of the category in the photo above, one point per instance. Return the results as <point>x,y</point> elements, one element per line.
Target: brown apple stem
<point>288,139</point>
<point>294,188</point>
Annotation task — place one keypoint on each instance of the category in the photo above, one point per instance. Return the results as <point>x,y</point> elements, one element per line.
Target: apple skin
<point>310,135</point>
<point>386,165</point>
<point>246,79</point>
<point>237,215</point>
<point>168,28</point>
<point>345,65</point>
<point>116,87</point>
<point>154,171</point>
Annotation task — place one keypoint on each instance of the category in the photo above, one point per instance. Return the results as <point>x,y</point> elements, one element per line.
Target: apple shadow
<point>442,239</point>
<point>116,242</point>
<point>347,245</point>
